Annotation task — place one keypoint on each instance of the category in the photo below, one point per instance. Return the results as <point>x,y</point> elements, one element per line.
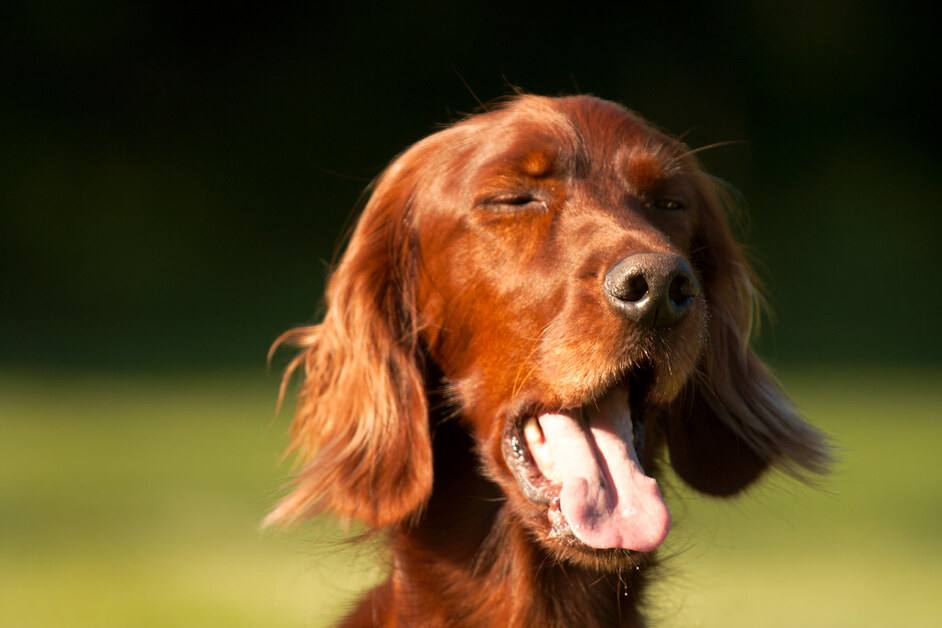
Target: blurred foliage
<point>128,501</point>
<point>174,182</point>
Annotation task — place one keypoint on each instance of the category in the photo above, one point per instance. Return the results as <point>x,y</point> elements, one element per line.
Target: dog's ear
<point>361,426</point>
<point>732,420</point>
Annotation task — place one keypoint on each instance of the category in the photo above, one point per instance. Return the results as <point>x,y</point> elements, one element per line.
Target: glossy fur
<point>470,295</point>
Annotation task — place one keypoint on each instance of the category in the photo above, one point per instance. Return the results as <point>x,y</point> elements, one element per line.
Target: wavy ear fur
<point>732,421</point>
<point>361,427</point>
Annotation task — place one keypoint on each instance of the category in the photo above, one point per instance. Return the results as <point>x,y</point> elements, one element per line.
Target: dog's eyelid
<point>520,198</point>
<point>668,203</point>
<point>668,197</point>
<point>511,201</point>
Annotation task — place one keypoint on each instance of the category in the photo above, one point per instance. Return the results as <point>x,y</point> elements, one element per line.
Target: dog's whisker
<point>525,292</point>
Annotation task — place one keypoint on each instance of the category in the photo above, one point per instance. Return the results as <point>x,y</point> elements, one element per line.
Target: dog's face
<point>521,297</point>
<point>528,261</point>
<point>570,272</point>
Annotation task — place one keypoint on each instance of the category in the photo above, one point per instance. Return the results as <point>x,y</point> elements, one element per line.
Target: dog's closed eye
<point>498,399</point>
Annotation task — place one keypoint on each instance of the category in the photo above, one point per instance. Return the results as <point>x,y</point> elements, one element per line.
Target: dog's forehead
<point>578,136</point>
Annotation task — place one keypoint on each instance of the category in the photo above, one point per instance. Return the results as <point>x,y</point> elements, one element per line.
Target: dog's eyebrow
<point>521,163</point>
<point>538,163</point>
<point>644,168</point>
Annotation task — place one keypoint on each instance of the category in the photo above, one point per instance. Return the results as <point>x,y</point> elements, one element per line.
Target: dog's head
<point>570,272</point>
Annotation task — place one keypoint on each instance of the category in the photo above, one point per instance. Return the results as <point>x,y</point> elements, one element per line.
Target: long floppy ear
<point>361,426</point>
<point>732,421</point>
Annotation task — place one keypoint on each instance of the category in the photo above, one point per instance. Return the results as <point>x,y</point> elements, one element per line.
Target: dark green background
<point>173,182</point>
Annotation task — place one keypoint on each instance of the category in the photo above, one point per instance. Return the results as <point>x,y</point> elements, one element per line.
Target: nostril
<point>635,288</point>
<point>682,290</point>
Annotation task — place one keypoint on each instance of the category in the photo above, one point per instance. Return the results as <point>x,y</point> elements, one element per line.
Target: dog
<point>540,307</point>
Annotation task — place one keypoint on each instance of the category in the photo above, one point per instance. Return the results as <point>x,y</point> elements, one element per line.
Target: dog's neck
<point>466,562</point>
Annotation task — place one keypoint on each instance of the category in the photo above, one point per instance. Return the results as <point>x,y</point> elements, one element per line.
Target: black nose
<point>652,289</point>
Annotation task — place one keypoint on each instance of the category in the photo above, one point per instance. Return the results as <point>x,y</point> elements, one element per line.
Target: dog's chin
<point>570,550</point>
<point>613,518</point>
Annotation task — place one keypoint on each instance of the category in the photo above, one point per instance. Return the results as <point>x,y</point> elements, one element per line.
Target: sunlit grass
<point>136,502</point>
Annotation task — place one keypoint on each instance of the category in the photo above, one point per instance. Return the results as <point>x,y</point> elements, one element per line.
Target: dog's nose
<point>652,289</point>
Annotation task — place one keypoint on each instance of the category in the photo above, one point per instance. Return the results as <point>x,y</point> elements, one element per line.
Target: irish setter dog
<point>539,308</point>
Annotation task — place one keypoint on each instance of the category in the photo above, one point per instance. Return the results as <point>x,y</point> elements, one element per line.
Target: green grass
<point>136,502</point>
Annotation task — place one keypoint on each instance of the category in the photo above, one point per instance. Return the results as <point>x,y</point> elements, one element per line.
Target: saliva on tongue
<point>605,497</point>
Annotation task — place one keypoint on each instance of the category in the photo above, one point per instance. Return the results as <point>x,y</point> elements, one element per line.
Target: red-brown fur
<point>457,307</point>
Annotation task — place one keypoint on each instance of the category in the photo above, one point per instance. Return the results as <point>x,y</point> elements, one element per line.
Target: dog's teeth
<point>517,447</point>
<point>533,431</point>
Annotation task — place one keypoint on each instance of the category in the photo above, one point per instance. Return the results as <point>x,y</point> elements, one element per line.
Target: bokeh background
<point>174,183</point>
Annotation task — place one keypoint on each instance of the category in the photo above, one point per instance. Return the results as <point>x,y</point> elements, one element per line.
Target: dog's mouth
<point>583,464</point>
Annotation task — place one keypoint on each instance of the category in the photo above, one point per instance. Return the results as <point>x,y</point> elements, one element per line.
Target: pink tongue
<point>605,497</point>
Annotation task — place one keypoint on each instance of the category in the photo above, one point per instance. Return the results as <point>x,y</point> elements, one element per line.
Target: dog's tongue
<point>606,498</point>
